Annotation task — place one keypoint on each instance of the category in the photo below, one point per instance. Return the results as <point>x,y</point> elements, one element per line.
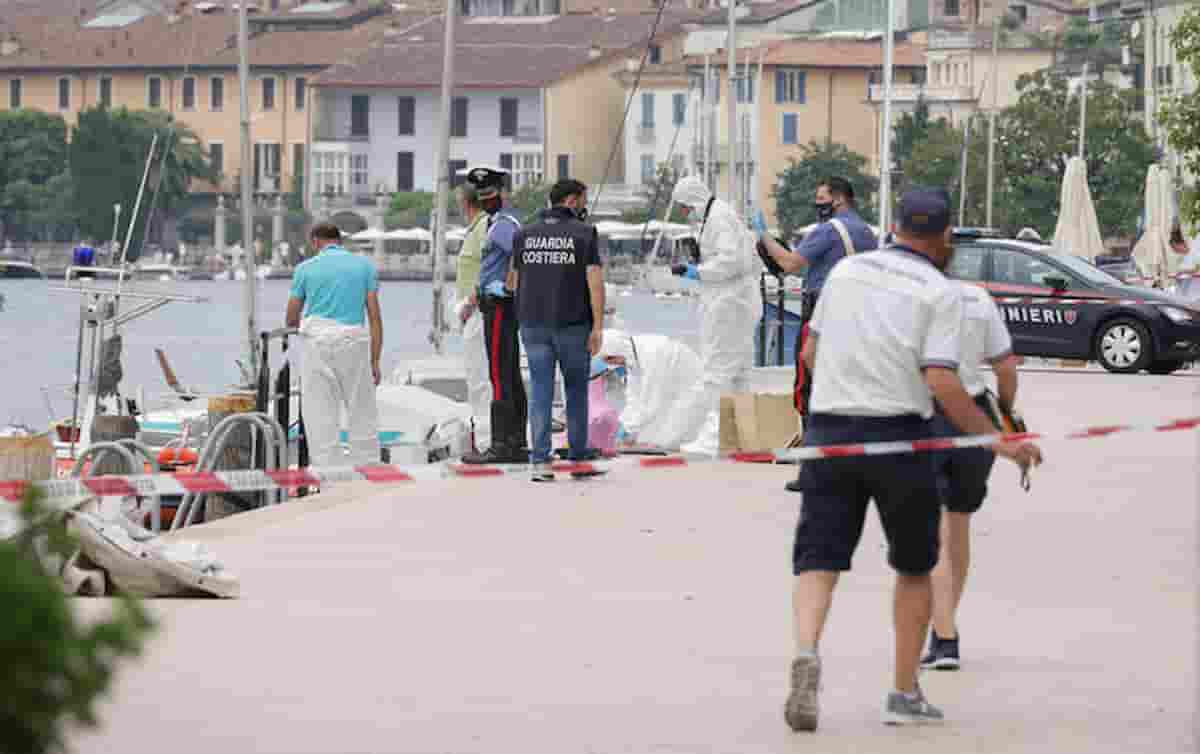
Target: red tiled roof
<point>58,41</point>
<point>513,53</point>
<point>830,53</point>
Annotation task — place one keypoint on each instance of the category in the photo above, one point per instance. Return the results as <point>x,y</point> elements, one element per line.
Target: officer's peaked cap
<point>487,180</point>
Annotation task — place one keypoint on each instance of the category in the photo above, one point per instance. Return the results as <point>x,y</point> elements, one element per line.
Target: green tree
<point>1037,135</point>
<point>108,155</point>
<point>528,199</point>
<point>412,209</point>
<point>55,666</point>
<point>912,129</point>
<point>33,154</point>
<point>1180,115</point>
<point>798,182</point>
<point>937,160</point>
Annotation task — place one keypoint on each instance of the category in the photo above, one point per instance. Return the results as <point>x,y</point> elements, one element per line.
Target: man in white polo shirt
<point>963,474</point>
<point>884,344</point>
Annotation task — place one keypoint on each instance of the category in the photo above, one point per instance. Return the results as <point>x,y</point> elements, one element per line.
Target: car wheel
<point>1164,367</point>
<point>1124,346</point>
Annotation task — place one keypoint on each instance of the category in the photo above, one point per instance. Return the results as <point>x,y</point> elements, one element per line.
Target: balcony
<point>941,39</point>
<point>912,92</point>
<point>528,135</point>
<point>344,133</point>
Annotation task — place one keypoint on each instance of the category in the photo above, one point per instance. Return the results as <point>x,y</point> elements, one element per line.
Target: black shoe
<point>794,485</point>
<point>942,655</point>
<point>495,454</point>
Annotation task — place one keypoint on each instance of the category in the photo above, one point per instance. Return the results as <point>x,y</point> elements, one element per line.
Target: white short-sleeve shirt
<point>882,318</point>
<point>985,337</point>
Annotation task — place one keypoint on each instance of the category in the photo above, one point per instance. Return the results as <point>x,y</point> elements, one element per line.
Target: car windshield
<point>1086,270</point>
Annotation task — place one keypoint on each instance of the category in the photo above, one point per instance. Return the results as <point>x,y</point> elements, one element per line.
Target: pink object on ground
<point>603,419</point>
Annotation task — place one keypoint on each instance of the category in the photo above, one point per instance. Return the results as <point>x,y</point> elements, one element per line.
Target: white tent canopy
<point>400,234</point>
<point>1078,231</point>
<point>1153,250</point>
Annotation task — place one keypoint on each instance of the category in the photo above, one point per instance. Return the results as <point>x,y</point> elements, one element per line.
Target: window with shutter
<point>406,116</point>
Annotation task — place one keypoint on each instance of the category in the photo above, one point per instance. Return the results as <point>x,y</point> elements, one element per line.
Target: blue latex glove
<point>496,288</point>
<point>693,273</point>
<point>759,223</point>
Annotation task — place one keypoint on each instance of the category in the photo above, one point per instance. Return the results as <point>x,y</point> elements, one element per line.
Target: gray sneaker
<point>800,711</point>
<point>541,472</point>
<point>902,709</point>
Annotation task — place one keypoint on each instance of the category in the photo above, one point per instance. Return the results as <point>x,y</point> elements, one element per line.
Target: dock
<point>649,611</point>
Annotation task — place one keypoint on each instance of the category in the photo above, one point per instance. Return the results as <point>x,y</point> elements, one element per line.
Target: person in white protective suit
<point>332,294</point>
<point>661,373</point>
<point>470,256</point>
<point>729,301</point>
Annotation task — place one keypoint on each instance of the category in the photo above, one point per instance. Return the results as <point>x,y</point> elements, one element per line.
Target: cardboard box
<point>755,422</point>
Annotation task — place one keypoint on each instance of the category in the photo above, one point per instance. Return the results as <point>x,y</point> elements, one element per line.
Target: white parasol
<point>1078,231</point>
<point>1153,250</point>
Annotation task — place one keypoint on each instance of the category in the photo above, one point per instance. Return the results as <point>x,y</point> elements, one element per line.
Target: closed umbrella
<point>1078,231</point>
<point>1153,250</point>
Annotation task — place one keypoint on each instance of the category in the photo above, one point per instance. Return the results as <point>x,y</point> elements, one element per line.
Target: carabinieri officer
<point>885,342</point>
<point>509,407</point>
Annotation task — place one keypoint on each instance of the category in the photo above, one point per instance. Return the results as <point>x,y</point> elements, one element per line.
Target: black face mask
<point>824,210</point>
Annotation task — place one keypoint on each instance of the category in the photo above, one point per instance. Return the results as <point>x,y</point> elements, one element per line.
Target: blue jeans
<point>566,347</point>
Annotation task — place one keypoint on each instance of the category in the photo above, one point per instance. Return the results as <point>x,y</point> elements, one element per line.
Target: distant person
<point>730,305</point>
<point>470,257</point>
<point>560,305</point>
<point>330,295</point>
<point>509,408</point>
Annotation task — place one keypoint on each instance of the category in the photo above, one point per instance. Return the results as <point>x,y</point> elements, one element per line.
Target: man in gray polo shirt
<point>885,342</point>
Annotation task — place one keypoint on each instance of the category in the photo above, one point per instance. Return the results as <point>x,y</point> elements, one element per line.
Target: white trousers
<point>479,387</point>
<point>337,384</point>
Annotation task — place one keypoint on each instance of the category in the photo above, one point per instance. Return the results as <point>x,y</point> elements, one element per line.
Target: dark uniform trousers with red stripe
<point>802,385</point>
<point>510,409</point>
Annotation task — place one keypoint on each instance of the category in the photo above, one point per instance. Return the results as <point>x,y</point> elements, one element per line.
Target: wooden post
<point>236,455</point>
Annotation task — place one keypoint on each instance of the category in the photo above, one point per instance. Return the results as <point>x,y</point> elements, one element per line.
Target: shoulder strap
<point>841,229</point>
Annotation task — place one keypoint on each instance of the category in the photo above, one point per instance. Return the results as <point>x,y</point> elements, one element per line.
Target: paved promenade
<point>649,612</point>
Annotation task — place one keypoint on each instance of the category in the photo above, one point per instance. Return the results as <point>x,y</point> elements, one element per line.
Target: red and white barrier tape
<point>257,481</point>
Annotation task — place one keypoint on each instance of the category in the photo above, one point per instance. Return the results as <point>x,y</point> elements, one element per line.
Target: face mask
<point>824,210</point>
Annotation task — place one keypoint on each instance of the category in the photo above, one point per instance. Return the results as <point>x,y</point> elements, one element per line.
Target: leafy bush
<point>54,667</point>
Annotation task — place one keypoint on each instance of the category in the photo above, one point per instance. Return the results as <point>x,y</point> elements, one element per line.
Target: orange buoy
<point>177,457</point>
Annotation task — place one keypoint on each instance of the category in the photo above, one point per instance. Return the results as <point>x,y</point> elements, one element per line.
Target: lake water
<point>39,326</point>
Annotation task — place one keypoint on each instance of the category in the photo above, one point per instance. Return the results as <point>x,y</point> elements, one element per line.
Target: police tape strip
<point>258,480</point>
<point>951,443</point>
<point>181,483</point>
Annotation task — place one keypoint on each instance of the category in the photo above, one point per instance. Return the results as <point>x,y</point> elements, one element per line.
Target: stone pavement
<point>649,612</point>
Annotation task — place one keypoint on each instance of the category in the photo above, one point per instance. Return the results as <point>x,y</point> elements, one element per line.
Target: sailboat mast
<point>731,69</point>
<point>249,303</point>
<point>885,149</point>
<point>444,183</point>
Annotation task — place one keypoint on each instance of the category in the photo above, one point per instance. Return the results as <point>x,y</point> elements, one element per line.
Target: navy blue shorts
<point>838,491</point>
<point>963,474</point>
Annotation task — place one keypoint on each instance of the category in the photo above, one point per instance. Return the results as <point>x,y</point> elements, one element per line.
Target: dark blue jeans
<point>567,348</point>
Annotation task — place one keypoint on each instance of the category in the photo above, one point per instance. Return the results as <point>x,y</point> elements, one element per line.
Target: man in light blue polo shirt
<point>332,295</point>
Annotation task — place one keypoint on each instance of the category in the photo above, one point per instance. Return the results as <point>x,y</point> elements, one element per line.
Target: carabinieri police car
<point>1061,306</point>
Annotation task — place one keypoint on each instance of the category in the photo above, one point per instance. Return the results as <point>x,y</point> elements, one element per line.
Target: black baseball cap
<point>488,181</point>
<point>925,211</point>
